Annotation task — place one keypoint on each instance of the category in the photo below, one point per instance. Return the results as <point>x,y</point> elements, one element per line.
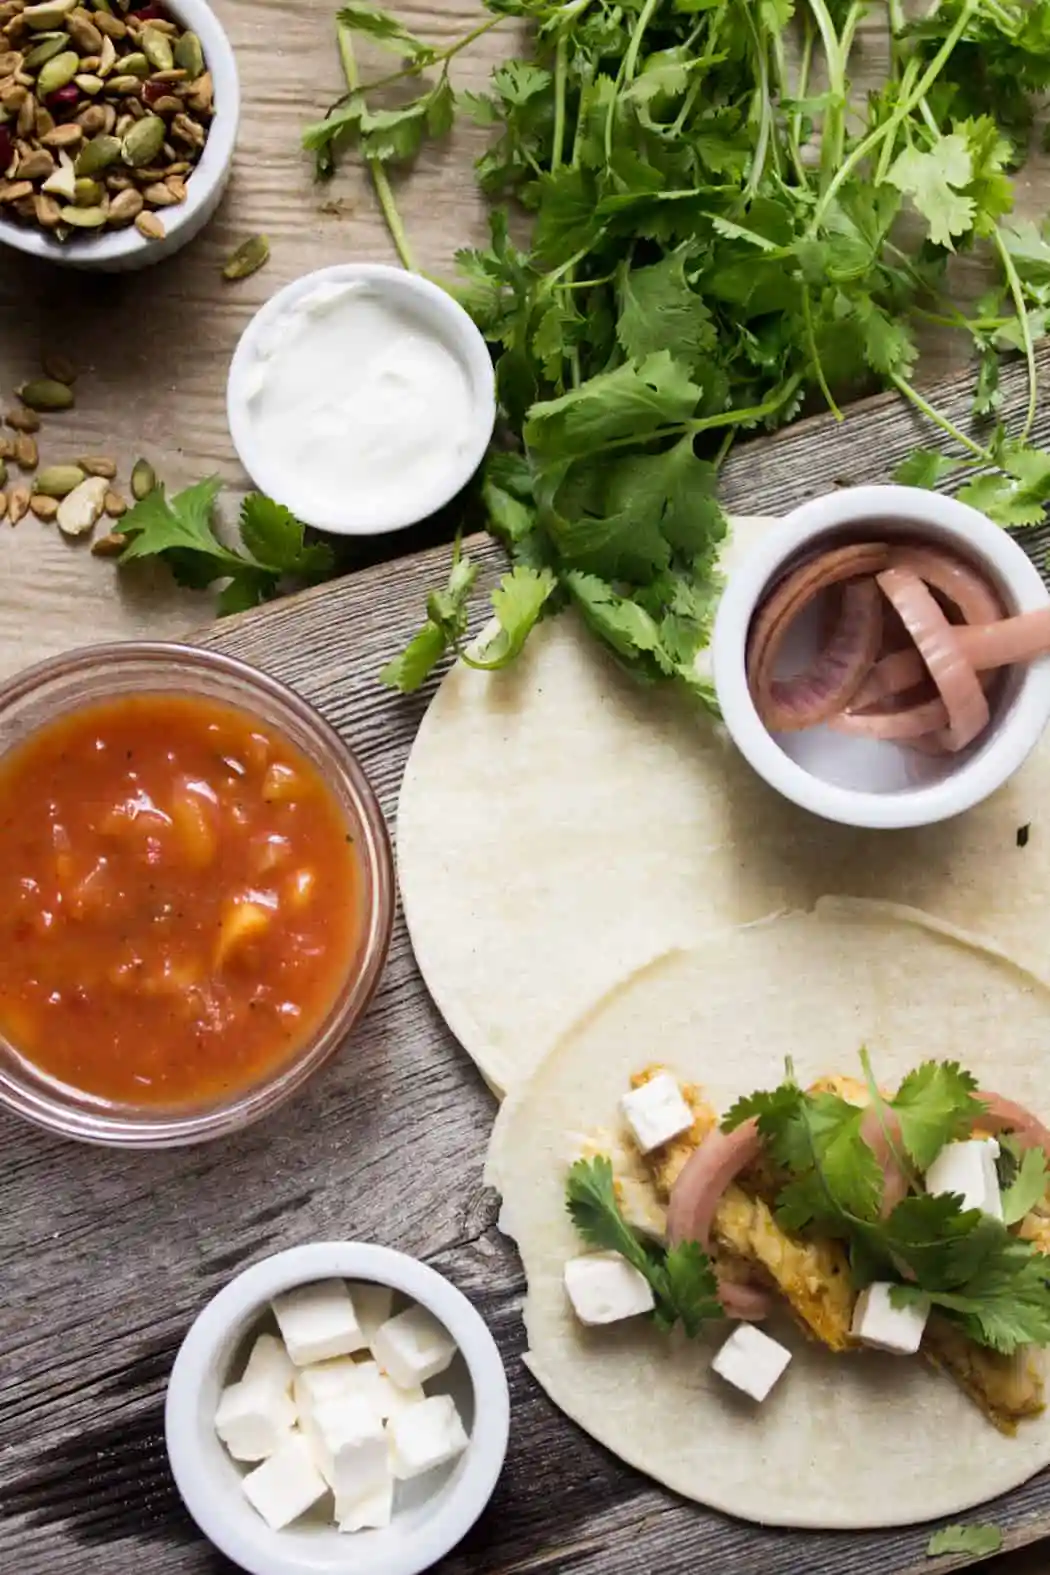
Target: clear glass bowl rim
<point>169,1129</point>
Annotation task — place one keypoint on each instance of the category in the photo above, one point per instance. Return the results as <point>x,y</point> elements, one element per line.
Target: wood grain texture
<point>105,1258</point>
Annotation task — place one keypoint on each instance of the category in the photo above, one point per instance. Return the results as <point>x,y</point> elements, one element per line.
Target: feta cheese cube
<point>603,1288</point>
<point>373,1305</point>
<point>362,1511</point>
<point>373,1385</point>
<point>425,1436</point>
<point>412,1347</point>
<point>254,1418</point>
<point>318,1322</point>
<point>323,1381</point>
<point>270,1360</point>
<point>968,1168</point>
<point>286,1485</point>
<point>656,1112</point>
<point>751,1361</point>
<point>876,1322</point>
<point>349,1445</point>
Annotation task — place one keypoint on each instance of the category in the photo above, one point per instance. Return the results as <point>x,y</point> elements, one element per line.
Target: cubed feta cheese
<point>270,1360</point>
<point>425,1436</point>
<point>373,1305</point>
<point>371,1509</point>
<point>254,1418</point>
<point>878,1323</point>
<point>656,1112</point>
<point>349,1445</point>
<point>318,1322</point>
<point>603,1288</point>
<point>968,1168</point>
<point>412,1347</point>
<point>286,1485</point>
<point>381,1392</point>
<point>322,1382</point>
<point>751,1361</point>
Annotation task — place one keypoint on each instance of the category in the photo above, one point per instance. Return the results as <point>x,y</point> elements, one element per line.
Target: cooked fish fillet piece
<point>1006,1388</point>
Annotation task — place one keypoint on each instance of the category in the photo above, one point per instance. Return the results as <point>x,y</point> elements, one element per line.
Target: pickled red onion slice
<point>938,645</point>
<point>1005,1115</point>
<point>694,1201</point>
<point>823,690</point>
<point>880,1130</point>
<point>986,646</point>
<point>780,610</point>
<point>955,579</point>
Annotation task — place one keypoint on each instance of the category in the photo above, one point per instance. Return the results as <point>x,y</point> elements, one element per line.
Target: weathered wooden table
<point>105,1258</point>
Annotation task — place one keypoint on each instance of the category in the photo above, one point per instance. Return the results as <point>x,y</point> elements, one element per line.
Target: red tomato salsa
<point>179,899</point>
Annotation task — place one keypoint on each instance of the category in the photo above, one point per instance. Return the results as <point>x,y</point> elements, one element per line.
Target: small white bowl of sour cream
<point>362,397</point>
<point>866,780</point>
<point>431,1512</point>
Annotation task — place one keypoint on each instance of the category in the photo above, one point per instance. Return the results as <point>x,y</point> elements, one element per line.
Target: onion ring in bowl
<point>986,646</point>
<point>837,680</point>
<point>694,1201</point>
<point>964,699</point>
<point>954,578</point>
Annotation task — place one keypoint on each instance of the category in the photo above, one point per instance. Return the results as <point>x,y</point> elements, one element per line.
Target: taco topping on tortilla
<point>912,1222</point>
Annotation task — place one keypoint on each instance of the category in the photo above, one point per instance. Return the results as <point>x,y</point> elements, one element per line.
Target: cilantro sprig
<point>682,1279</point>
<point>977,1540</point>
<point>715,243</point>
<point>995,1285</point>
<point>181,532</point>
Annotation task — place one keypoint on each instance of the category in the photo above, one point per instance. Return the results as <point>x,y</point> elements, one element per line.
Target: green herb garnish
<point>682,1279</point>
<point>978,1540</point>
<point>180,531</point>
<point>995,1286</point>
<point>701,262</point>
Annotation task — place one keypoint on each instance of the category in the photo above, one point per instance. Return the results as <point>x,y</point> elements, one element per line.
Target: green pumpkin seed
<point>157,49</point>
<point>46,393</point>
<point>57,73</point>
<point>52,13</point>
<point>88,193</point>
<point>57,481</point>
<point>50,45</point>
<point>189,56</point>
<point>144,141</point>
<point>84,218</point>
<point>249,257</point>
<point>143,479</point>
<point>135,65</point>
<point>97,155</point>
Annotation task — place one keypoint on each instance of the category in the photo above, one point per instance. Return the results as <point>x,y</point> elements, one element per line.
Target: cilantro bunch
<point>682,1278</point>
<point>994,1285</point>
<point>713,241</point>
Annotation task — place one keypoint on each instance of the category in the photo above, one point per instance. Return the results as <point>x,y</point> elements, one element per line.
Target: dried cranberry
<point>7,148</point>
<point>149,13</point>
<point>63,97</point>
<point>152,91</point>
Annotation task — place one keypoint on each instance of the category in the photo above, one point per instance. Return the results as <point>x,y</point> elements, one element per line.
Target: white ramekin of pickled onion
<point>873,661</point>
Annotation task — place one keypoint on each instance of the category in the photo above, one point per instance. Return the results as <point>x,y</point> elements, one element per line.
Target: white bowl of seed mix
<point>117,128</point>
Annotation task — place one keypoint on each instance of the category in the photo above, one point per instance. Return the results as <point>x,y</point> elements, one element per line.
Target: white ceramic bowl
<point>430,1520</point>
<point>440,315</point>
<point>124,250</point>
<point>860,781</point>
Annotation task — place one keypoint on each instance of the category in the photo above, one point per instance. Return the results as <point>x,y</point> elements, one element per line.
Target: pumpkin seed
<point>98,465</point>
<point>84,33</point>
<point>134,65</point>
<point>27,455</point>
<point>51,13</point>
<point>125,206</point>
<point>143,142</point>
<point>87,193</point>
<point>57,73</point>
<point>84,218</point>
<point>67,138</point>
<point>43,507</point>
<point>189,55</point>
<point>150,226</point>
<point>50,45</point>
<point>110,546</point>
<point>157,49</point>
<point>47,211</point>
<point>46,393</point>
<point>114,505</point>
<point>55,481</point>
<point>36,166</point>
<point>143,479</point>
<point>88,83</point>
<point>59,367</point>
<point>98,154</point>
<point>249,257</point>
<point>18,504</point>
<point>21,421</point>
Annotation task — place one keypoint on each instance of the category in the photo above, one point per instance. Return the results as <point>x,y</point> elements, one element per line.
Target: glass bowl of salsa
<point>196,894</point>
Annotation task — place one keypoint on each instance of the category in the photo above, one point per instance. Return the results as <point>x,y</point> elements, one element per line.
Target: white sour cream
<point>357,400</point>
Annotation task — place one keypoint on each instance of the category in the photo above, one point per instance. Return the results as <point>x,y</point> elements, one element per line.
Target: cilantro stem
<point>904,387</point>
<point>380,179</point>
<point>561,67</point>
<point>415,67</point>
<point>814,353</point>
<point>1017,292</point>
<point>905,107</point>
<point>630,63</point>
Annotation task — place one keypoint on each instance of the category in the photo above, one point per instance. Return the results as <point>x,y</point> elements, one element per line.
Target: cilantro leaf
<point>275,539</point>
<point>1017,494</point>
<point>924,467</point>
<point>1027,1188</point>
<point>683,1280</point>
<point>627,403</point>
<point>659,310</point>
<point>517,601</point>
<point>934,1105</point>
<point>444,630</point>
<point>975,1540</point>
<point>933,181</point>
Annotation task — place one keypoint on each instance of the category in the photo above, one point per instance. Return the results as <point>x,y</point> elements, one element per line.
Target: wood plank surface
<point>105,1258</point>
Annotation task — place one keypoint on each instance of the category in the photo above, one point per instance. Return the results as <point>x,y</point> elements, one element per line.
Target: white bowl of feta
<point>361,397</point>
<point>339,1405</point>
